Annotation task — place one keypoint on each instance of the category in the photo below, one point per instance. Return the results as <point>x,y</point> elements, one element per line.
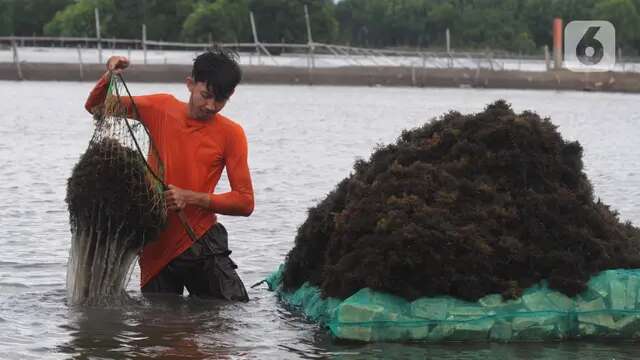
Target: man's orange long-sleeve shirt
<point>194,153</point>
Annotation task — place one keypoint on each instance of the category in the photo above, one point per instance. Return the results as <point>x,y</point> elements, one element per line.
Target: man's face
<point>202,102</point>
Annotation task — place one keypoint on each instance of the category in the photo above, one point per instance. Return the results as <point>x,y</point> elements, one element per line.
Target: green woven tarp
<point>609,308</point>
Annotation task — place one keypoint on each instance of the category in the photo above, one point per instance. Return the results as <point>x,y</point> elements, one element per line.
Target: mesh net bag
<point>608,309</point>
<point>115,202</point>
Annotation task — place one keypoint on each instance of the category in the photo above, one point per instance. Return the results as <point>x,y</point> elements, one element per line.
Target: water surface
<point>302,140</point>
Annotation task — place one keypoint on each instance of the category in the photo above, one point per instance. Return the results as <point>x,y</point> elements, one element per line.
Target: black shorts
<point>205,269</point>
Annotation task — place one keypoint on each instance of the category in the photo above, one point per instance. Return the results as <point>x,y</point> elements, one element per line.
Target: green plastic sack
<point>609,308</point>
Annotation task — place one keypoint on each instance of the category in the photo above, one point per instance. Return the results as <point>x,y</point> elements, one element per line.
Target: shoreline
<point>348,76</point>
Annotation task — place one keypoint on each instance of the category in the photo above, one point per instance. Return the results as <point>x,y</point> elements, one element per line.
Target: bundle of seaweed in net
<point>115,205</point>
<point>466,205</point>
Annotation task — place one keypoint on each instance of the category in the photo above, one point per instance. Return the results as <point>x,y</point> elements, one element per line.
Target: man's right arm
<point>98,94</point>
<point>145,106</point>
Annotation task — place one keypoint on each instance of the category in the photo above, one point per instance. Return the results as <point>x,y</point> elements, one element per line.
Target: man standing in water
<point>195,142</point>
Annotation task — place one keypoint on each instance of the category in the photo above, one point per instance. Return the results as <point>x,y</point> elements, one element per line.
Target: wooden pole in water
<point>448,39</point>
<point>144,42</point>
<point>413,74</point>
<point>547,58</point>
<point>256,42</point>
<point>80,63</point>
<point>312,61</point>
<point>98,36</point>
<point>309,36</point>
<point>16,59</point>
<point>619,59</point>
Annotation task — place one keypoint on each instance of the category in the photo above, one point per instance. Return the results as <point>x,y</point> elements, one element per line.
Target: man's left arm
<point>237,202</point>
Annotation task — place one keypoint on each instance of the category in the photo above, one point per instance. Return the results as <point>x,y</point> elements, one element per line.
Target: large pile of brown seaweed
<point>466,205</point>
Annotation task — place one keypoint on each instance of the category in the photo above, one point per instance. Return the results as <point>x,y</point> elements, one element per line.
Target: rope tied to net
<point>137,115</point>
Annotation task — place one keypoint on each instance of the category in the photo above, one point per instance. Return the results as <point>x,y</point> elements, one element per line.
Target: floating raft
<point>609,308</point>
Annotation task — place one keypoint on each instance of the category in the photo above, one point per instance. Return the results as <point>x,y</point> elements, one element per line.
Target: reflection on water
<point>302,140</point>
<point>172,327</point>
<point>166,327</point>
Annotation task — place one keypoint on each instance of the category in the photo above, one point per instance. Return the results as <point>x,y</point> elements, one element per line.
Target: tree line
<point>512,25</point>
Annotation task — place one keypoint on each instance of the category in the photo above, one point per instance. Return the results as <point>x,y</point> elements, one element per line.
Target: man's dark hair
<point>218,68</point>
